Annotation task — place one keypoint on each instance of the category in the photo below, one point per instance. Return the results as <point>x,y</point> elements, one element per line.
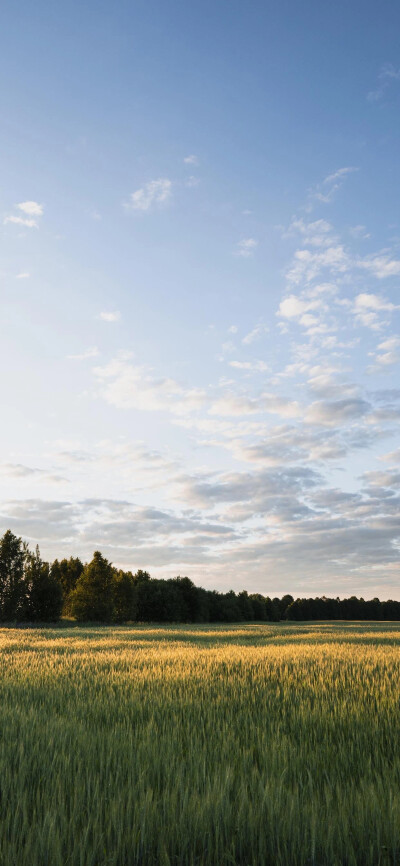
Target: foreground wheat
<point>252,745</point>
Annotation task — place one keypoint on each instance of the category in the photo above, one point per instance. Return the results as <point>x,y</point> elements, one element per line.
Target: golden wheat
<point>259,745</point>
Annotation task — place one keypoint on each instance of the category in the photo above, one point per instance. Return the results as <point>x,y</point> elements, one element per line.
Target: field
<point>258,745</point>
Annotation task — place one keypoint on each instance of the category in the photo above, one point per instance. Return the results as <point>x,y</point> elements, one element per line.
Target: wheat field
<point>256,745</point>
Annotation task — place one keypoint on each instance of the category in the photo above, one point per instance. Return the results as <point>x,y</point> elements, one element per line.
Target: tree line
<point>32,590</point>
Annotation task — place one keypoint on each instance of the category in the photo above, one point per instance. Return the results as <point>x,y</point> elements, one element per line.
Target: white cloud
<point>129,386</point>
<point>308,265</point>
<point>19,470</point>
<point>246,247</point>
<point>367,308</point>
<point>252,366</point>
<point>389,344</point>
<point>24,275</point>
<point>232,404</point>
<point>359,231</point>
<point>31,209</point>
<point>337,412</point>
<point>326,191</point>
<point>111,316</point>
<point>392,456</point>
<point>293,307</point>
<point>381,266</point>
<point>21,221</point>
<point>233,329</point>
<point>387,354</point>
<point>229,346</point>
<point>156,192</point>
<point>254,334</point>
<point>192,159</point>
<point>92,352</point>
<point>192,181</point>
<point>338,174</point>
<point>387,75</point>
<point>317,233</point>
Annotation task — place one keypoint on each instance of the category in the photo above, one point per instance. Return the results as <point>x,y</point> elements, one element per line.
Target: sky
<point>200,272</point>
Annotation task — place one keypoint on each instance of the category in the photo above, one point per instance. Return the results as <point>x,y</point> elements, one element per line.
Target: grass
<point>255,745</point>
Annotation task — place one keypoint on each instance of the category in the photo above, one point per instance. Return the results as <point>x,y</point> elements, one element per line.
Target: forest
<point>32,590</point>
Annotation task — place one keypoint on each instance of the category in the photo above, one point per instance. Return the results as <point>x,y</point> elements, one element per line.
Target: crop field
<point>256,745</point>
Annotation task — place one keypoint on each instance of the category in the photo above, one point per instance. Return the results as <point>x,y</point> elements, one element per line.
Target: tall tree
<point>123,588</point>
<point>13,598</point>
<point>67,572</point>
<point>44,592</point>
<point>92,598</point>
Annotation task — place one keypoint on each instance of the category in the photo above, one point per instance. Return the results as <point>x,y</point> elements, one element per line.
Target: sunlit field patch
<point>248,744</point>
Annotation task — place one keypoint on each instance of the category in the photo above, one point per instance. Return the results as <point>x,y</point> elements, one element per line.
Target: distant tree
<point>141,576</point>
<point>295,610</point>
<point>67,572</point>
<point>44,592</point>
<point>390,609</point>
<point>13,599</point>
<point>204,605</point>
<point>274,609</point>
<point>245,606</point>
<point>158,601</point>
<point>190,600</point>
<point>214,604</point>
<point>260,611</point>
<point>284,604</point>
<point>92,598</point>
<point>230,607</point>
<point>30,589</point>
<point>123,592</point>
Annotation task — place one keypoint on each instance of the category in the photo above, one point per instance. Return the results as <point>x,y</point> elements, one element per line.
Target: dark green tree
<point>67,572</point>
<point>284,604</point>
<point>13,598</point>
<point>140,576</point>
<point>190,599</point>
<point>260,611</point>
<point>123,589</point>
<point>92,598</point>
<point>245,606</point>
<point>158,601</point>
<point>44,592</point>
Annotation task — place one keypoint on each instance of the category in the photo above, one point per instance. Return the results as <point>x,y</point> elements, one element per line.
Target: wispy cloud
<point>110,316</point>
<point>359,231</point>
<point>246,247</point>
<point>250,366</point>
<point>152,194</point>
<point>92,352</point>
<point>129,386</point>
<point>253,335</point>
<point>192,181</point>
<point>337,175</point>
<point>31,210</point>
<point>368,309</point>
<point>387,354</point>
<point>387,75</point>
<point>24,275</point>
<point>381,265</point>
<point>326,190</point>
<point>192,159</point>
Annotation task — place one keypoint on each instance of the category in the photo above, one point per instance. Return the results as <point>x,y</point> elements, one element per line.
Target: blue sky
<point>200,289</point>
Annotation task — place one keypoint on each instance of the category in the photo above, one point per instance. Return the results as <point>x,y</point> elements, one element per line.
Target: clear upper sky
<point>200,274</point>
